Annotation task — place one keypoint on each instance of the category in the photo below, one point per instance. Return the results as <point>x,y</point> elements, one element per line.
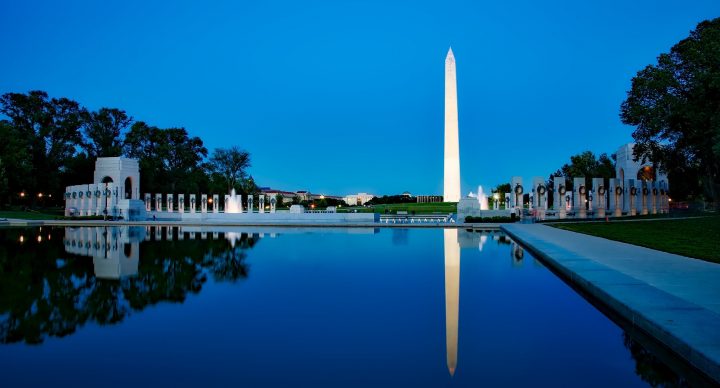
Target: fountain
<point>482,198</point>
<point>233,203</point>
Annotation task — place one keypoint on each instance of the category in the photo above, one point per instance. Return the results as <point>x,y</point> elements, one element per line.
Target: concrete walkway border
<point>674,299</point>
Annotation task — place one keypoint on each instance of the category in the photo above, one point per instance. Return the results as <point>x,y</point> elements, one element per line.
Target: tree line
<point>49,143</point>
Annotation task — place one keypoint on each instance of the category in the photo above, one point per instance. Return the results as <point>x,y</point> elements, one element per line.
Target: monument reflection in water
<point>115,250</point>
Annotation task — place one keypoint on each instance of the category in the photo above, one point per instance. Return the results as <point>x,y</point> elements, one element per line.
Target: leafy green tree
<point>15,163</point>
<point>675,107</point>
<point>586,165</point>
<point>230,163</point>
<point>103,130</point>
<point>48,130</point>
<point>170,160</point>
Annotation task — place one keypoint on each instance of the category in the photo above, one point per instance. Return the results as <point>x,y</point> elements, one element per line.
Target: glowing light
<point>209,200</point>
<point>40,195</point>
<point>39,239</point>
<point>22,194</point>
<point>22,239</point>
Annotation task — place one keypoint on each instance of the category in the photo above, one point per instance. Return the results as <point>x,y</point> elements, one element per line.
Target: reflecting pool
<point>129,306</point>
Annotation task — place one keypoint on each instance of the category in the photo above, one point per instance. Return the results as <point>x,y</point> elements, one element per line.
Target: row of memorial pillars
<point>207,205</point>
<point>168,233</point>
<point>631,196</point>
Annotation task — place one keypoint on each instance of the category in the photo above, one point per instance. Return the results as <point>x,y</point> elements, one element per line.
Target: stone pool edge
<point>686,329</point>
<point>71,223</point>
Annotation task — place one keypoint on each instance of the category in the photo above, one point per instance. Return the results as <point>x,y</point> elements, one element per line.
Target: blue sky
<point>345,96</point>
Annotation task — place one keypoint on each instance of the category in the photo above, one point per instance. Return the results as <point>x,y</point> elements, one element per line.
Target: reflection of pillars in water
<point>516,253</point>
<point>452,296</point>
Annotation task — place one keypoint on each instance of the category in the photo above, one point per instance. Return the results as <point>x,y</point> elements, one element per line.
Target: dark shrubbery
<point>495,220</point>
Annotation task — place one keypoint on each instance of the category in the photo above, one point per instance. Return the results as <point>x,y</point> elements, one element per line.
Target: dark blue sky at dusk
<point>339,97</point>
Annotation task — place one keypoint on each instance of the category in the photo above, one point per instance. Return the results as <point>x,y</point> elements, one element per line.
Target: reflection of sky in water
<point>375,307</point>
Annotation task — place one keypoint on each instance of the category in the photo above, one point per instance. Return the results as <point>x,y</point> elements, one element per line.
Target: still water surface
<point>130,306</point>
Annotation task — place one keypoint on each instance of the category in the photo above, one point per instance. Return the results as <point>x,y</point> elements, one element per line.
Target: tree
<point>231,163</point>
<point>675,107</point>
<point>103,130</point>
<point>586,165</point>
<point>48,130</point>
<point>170,160</point>
<point>15,163</point>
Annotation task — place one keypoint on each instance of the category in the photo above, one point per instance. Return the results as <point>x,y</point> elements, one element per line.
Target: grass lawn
<point>696,237</point>
<point>29,215</point>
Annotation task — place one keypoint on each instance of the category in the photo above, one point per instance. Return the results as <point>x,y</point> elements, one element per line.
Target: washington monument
<point>451,191</point>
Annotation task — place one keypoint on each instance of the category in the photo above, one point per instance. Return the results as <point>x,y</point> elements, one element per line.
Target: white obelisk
<point>451,191</point>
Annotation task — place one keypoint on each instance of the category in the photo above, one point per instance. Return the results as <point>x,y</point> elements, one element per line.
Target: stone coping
<point>20,222</point>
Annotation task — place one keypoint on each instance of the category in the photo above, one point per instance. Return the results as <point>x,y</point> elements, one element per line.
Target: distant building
<point>273,193</point>
<point>429,198</point>
<point>407,194</point>
<point>358,199</point>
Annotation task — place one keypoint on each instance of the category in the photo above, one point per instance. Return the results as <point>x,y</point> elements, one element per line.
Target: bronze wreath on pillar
<point>601,190</point>
<point>561,189</point>
<point>618,190</point>
<point>645,191</point>
<point>655,191</point>
<point>581,190</point>
<point>633,191</point>
<point>541,189</point>
<point>518,189</point>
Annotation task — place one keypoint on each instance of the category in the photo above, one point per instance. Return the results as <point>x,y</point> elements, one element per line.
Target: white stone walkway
<point>675,299</point>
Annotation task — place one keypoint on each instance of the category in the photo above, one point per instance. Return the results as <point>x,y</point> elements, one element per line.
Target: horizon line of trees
<point>49,143</point>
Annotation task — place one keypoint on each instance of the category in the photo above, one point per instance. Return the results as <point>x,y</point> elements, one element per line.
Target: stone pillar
<point>158,233</point>
<point>250,204</point>
<point>203,235</point>
<point>579,197</point>
<point>664,205</point>
<point>273,203</point>
<point>169,200</point>
<point>193,204</point>
<point>631,194</point>
<point>225,203</point>
<point>644,198</point>
<point>616,194</point>
<point>181,203</point>
<point>203,203</point>
<point>261,203</point>
<point>600,199</point>
<point>216,203</point>
<point>653,197</point>
<point>559,203</point>
<point>517,192</point>
<point>158,202</point>
<point>181,233</point>
<point>540,193</point>
<point>148,202</point>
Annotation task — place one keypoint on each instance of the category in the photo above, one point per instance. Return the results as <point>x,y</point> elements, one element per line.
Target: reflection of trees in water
<point>45,291</point>
<point>650,368</point>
